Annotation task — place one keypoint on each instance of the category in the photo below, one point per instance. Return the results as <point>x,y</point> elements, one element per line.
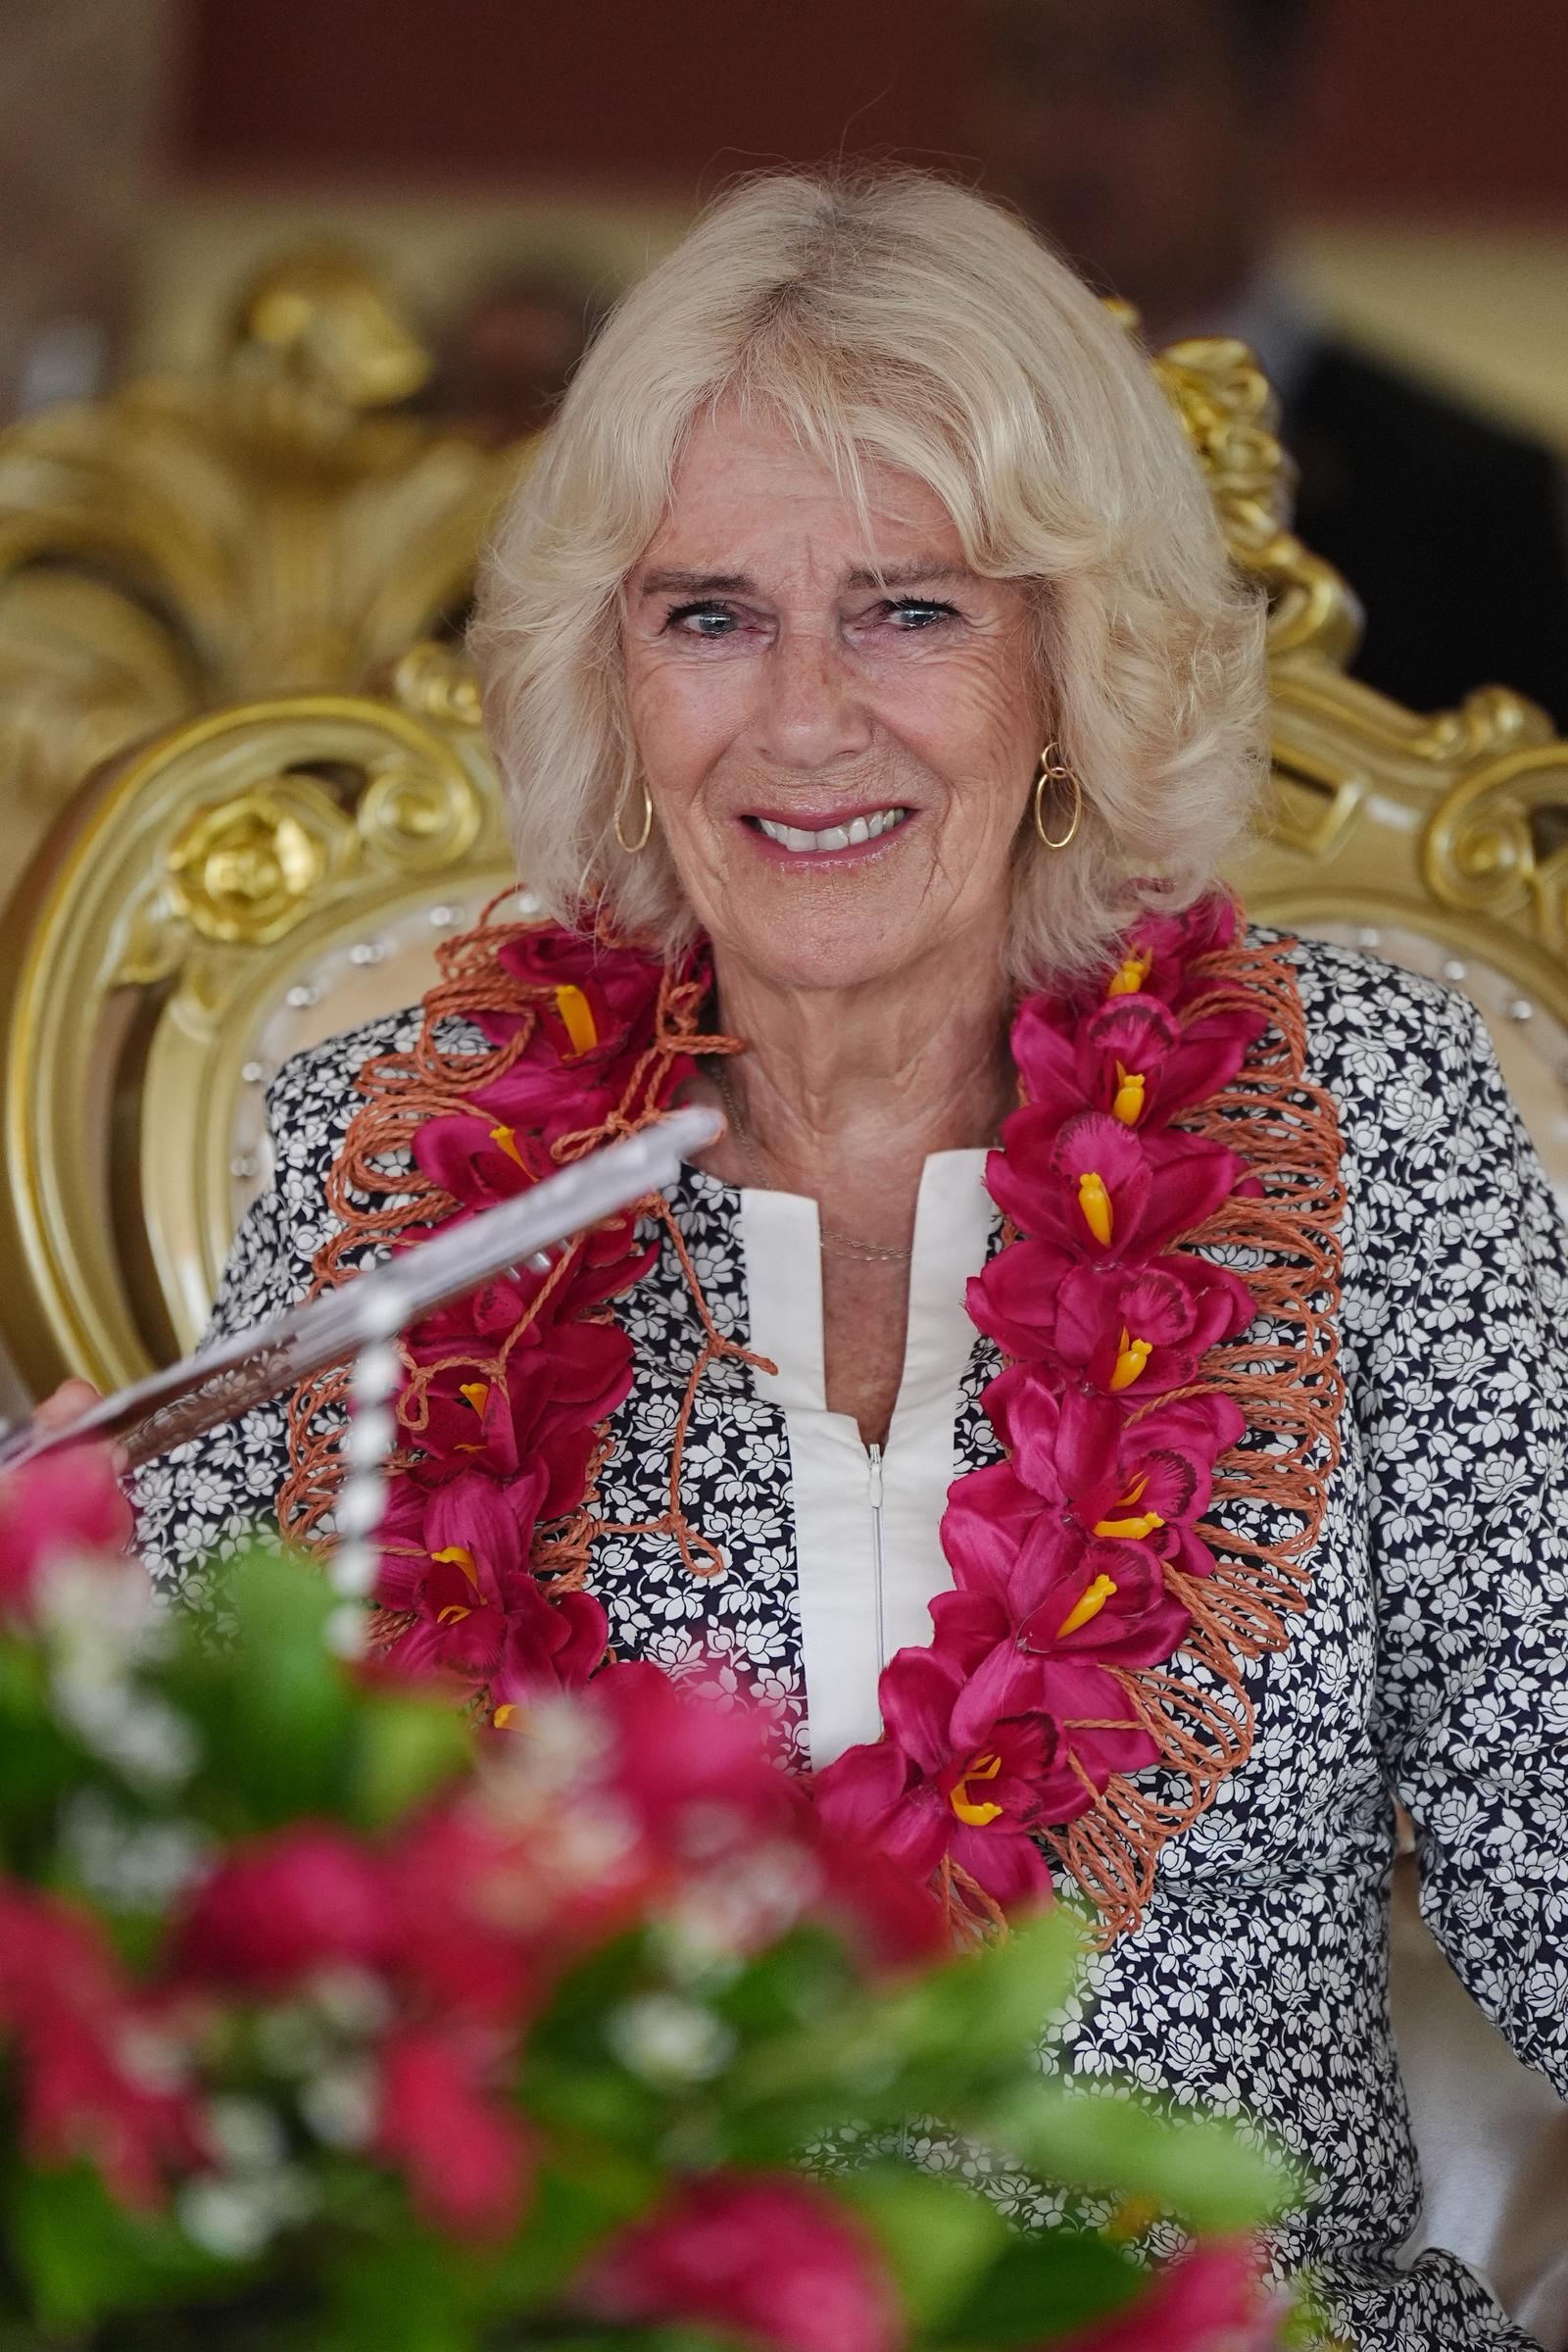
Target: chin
<point>802,947</point>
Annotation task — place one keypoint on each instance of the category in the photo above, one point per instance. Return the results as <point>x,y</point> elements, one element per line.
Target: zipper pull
<point>874,1458</point>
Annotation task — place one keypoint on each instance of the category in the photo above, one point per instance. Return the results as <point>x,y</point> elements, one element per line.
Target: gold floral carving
<point>1452,824</point>
<point>1228,409</point>
<point>273,524</point>
<point>244,870</point>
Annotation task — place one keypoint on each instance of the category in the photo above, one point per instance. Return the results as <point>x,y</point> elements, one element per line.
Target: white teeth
<point>833,837</point>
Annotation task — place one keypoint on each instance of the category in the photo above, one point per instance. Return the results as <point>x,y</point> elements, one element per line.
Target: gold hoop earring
<point>1057,771</point>
<point>631,848</point>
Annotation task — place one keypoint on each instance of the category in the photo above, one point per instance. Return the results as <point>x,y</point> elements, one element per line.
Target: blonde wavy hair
<point>893,317</point>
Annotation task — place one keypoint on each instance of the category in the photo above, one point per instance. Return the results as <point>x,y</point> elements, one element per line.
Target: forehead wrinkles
<point>743,500</point>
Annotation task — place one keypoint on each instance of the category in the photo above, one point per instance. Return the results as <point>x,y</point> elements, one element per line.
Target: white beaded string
<point>362,1500</point>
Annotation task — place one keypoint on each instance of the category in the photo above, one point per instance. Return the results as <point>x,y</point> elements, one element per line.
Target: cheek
<point>981,734</point>
<point>680,721</point>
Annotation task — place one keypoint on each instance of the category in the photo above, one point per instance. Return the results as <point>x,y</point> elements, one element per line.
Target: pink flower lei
<point>1085,1564</point>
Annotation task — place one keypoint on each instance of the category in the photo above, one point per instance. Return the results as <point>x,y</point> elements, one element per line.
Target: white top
<point>867,1525</point>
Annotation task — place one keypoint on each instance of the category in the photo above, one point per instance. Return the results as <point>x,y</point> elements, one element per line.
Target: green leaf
<point>405,1748</point>
<point>274,1713</point>
<point>37,1761</point>
<point>586,2189</point>
<point>944,2044</point>
<point>406,2294</point>
<point>1041,2287</point>
<point>1199,2166</point>
<point>82,2255</point>
<point>938,2234</point>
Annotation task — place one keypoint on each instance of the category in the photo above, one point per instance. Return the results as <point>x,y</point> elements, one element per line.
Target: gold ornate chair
<point>269,524</point>
<point>255,878</point>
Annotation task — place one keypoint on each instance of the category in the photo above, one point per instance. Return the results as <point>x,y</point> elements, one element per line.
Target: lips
<point>848,833</point>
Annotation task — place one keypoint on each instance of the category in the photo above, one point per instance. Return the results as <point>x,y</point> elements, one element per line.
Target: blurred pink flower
<point>79,2028</point>
<point>65,1504</point>
<point>304,1899</point>
<point>1207,2301</point>
<point>768,2258</point>
<point>443,2123</point>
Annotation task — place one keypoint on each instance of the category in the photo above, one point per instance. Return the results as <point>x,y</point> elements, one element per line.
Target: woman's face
<point>840,733</point>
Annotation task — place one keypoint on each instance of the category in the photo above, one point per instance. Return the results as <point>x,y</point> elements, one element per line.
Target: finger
<point>69,1402</point>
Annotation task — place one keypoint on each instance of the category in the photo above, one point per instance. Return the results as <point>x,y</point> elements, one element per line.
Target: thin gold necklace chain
<point>867,1251</point>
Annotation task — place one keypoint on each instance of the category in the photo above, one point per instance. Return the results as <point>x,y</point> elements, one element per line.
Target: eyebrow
<point>931,571</point>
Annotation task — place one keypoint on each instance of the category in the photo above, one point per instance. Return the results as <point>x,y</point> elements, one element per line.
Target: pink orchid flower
<point>771,2259</point>
<point>594,1005</point>
<point>1130,1058</point>
<point>927,1791</point>
<point>1103,1193</point>
<point>1131,1332</point>
<point>1076,1459</point>
<point>1160,955</point>
<point>457,1561</point>
<point>1041,1635</point>
<point>545,1413</point>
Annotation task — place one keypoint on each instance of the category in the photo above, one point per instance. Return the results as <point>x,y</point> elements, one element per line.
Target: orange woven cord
<point>1286,1380</point>
<point>971,1916</point>
<point>1288,1385</point>
<point>716,1346</point>
<point>402,1091</point>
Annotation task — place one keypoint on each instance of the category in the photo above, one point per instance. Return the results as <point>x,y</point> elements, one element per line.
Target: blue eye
<point>916,612</point>
<point>701,619</point>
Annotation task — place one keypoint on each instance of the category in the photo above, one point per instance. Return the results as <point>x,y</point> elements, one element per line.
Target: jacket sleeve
<point>196,1504</point>
<point>1462,1406</point>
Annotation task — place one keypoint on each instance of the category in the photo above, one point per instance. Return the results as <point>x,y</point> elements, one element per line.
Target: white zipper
<point>874,1494</point>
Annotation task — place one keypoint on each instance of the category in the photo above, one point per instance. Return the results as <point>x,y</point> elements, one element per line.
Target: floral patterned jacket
<point>1431,1665</point>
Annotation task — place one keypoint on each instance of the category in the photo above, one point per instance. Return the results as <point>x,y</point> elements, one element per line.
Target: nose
<point>810,711</point>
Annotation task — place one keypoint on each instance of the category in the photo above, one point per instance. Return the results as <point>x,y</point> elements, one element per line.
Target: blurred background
<point>1386,175</point>
<point>1329,178</point>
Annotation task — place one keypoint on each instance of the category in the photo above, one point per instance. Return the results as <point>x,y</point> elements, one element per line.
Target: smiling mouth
<point>803,844</point>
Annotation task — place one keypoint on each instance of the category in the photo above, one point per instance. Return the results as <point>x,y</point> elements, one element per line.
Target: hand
<point>65,1404</point>
<point>71,1398</point>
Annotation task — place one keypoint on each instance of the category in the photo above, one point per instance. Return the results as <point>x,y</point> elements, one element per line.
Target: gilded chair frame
<point>248,861</point>
<point>194,888</point>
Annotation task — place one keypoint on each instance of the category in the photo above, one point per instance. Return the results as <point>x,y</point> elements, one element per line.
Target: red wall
<point>1425,105</point>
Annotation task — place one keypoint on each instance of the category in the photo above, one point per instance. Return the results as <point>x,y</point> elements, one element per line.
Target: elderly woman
<point>1103,1395</point>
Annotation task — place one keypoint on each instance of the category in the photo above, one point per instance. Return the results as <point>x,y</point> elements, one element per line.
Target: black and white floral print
<point>1429,1665</point>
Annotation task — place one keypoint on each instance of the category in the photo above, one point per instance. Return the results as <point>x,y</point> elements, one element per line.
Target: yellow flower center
<point>1130,976</point>
<point>464,1558</point>
<point>1087,1607</point>
<point>1129,1103</point>
<point>1131,1358</point>
<point>576,1017</point>
<point>1094,1202</point>
<point>452,1614</point>
<point>1137,1524</point>
<point>974,1812</point>
<point>474,1392</point>
<point>505,1139</point>
<point>1133,1530</point>
<point>504,1715</point>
